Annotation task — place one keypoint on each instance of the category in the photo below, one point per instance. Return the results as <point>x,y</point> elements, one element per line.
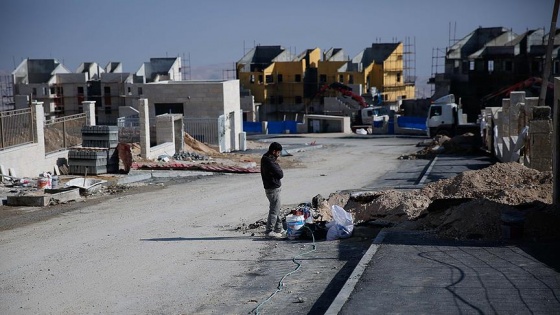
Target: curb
<point>427,172</point>
<point>350,284</point>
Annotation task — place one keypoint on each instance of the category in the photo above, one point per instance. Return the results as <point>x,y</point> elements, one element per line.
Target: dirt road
<point>176,250</point>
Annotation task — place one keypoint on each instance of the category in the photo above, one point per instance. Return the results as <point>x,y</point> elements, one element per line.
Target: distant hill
<point>219,71</point>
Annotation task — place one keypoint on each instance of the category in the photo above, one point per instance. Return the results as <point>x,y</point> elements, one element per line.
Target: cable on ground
<point>281,282</point>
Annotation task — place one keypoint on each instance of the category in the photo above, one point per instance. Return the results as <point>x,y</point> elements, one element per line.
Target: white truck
<point>445,117</point>
<point>364,118</point>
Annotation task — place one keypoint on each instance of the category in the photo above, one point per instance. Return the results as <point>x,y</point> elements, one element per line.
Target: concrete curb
<point>350,284</point>
<point>138,176</point>
<point>428,171</point>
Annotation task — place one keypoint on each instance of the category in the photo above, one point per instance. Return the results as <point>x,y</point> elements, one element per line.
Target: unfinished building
<point>484,66</point>
<point>63,91</point>
<point>287,85</point>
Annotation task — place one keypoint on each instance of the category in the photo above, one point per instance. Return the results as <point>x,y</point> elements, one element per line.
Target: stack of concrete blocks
<point>525,116</point>
<point>540,139</point>
<point>98,154</point>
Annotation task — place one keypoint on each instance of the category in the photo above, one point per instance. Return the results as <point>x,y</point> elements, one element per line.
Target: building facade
<point>286,85</point>
<point>484,66</point>
<point>63,91</point>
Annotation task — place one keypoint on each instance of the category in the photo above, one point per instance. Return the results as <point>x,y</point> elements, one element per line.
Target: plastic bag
<point>342,226</point>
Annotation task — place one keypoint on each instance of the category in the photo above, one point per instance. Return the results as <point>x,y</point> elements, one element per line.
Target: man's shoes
<point>273,234</point>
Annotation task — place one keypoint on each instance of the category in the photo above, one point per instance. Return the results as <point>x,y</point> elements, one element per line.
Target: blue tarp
<point>252,127</point>
<point>274,127</point>
<point>282,126</point>
<point>418,123</point>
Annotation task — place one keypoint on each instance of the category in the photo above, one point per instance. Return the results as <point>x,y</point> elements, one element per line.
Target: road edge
<point>351,282</point>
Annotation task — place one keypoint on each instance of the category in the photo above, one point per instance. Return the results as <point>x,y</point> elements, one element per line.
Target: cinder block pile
<point>98,153</point>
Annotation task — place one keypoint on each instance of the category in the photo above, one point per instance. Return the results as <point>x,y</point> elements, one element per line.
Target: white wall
<point>202,99</point>
<point>30,160</point>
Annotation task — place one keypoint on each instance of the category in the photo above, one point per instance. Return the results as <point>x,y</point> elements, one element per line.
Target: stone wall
<point>540,139</point>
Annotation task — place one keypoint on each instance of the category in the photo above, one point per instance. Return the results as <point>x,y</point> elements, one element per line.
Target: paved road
<point>414,273</point>
<point>175,249</point>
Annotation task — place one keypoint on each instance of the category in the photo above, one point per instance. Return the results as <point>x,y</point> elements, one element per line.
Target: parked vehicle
<point>445,117</point>
<point>365,117</point>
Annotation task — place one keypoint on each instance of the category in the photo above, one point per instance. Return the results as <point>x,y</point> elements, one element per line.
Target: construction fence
<point>202,129</point>
<point>16,128</point>
<point>63,132</point>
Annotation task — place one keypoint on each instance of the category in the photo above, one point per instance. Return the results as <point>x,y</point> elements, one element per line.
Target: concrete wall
<point>324,123</point>
<point>30,160</point>
<point>248,107</point>
<point>540,139</point>
<point>512,142</point>
<point>202,99</point>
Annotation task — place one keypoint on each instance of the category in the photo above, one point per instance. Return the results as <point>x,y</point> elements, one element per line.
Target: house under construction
<point>484,66</point>
<point>287,85</point>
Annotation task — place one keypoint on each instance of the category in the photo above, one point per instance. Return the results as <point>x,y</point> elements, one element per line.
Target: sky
<point>219,32</point>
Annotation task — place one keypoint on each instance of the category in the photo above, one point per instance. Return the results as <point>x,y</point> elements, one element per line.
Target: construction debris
<point>463,144</point>
<point>503,201</point>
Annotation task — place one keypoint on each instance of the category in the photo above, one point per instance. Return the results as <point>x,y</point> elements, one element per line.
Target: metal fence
<point>203,129</point>
<point>64,132</point>
<point>129,129</point>
<point>16,128</point>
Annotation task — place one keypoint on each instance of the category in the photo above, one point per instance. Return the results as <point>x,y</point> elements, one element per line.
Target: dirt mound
<point>476,219</point>
<point>472,205</point>
<point>507,183</point>
<point>193,145</point>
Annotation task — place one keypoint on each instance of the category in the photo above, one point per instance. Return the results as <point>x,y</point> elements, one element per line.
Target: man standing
<point>271,174</point>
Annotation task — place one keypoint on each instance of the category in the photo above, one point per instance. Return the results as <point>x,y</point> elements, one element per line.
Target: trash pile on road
<point>503,201</point>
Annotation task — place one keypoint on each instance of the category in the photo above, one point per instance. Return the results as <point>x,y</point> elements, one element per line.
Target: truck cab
<point>365,117</point>
<point>442,116</point>
<point>445,117</point>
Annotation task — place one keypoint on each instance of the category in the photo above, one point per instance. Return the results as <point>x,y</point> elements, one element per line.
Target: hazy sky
<point>219,31</point>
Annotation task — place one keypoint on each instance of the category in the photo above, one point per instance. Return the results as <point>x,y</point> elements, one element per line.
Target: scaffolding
<point>7,92</point>
<point>186,67</point>
<point>438,67</point>
<point>409,68</point>
<point>229,74</point>
<point>438,59</point>
<point>403,69</point>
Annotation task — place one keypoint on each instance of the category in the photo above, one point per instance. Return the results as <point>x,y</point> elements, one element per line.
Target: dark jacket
<point>271,172</point>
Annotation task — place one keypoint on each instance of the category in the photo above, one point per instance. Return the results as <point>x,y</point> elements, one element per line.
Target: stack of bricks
<point>98,154</point>
<point>540,134</point>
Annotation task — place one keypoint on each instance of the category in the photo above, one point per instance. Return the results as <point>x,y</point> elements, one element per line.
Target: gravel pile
<point>190,156</point>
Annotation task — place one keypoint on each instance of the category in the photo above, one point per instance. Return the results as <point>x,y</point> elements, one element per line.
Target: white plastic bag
<point>342,226</point>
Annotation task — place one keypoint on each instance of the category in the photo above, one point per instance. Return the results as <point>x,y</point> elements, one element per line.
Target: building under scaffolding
<point>487,61</point>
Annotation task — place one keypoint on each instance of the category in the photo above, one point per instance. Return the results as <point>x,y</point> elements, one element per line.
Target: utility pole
<point>548,57</point>
<point>555,110</point>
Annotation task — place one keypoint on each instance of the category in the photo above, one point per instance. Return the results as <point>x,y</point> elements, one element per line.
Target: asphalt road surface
<point>177,249</point>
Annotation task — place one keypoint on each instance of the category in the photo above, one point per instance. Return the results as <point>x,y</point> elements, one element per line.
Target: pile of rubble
<point>190,156</point>
<point>485,204</point>
<point>467,143</point>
